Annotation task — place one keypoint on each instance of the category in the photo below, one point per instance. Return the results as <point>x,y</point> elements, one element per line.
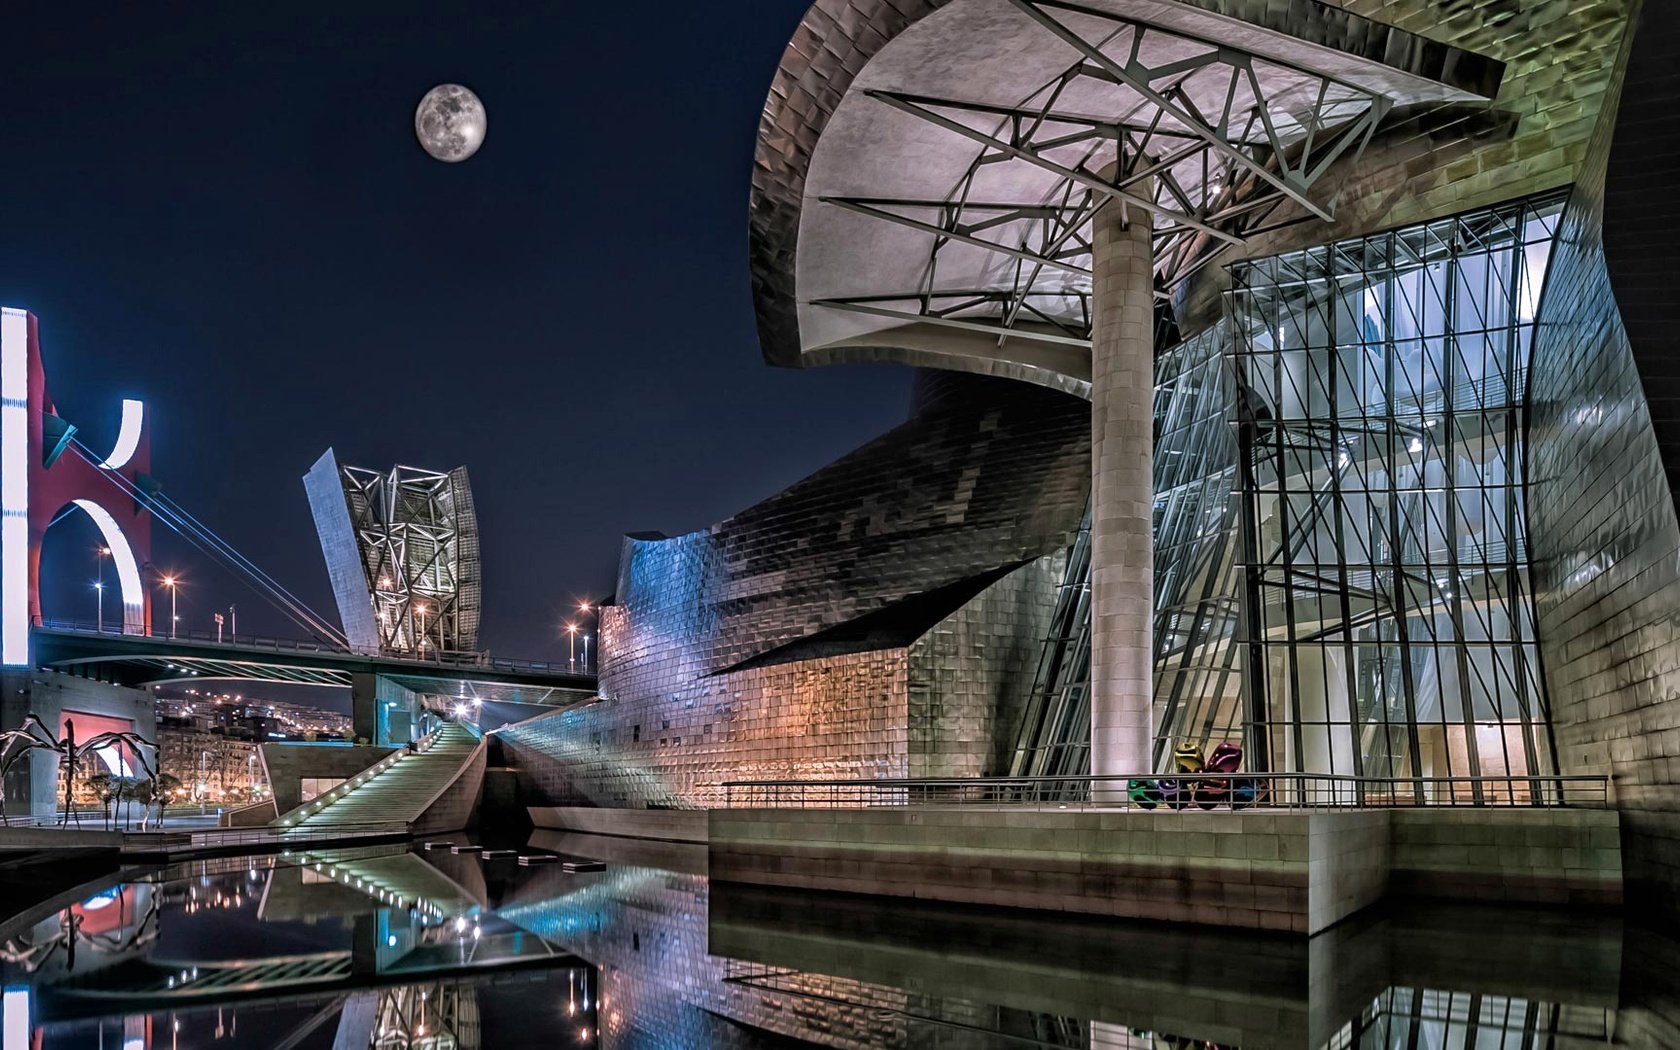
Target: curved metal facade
<point>881,617</point>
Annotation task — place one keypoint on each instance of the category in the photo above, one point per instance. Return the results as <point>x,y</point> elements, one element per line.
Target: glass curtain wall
<point>1387,626</point>
<point>1198,690</point>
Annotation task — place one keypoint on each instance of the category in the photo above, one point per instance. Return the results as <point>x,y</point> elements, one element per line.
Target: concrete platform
<point>1266,870</point>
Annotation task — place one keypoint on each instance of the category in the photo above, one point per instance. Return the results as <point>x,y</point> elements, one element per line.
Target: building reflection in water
<point>389,950</point>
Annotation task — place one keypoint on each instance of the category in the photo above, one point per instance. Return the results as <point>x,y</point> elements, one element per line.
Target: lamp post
<point>571,632</point>
<point>99,589</point>
<point>103,552</point>
<point>421,611</point>
<point>584,609</point>
<point>169,581</point>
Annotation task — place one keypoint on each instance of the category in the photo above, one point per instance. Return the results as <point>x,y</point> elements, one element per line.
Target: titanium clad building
<point>1409,475</point>
<point>882,617</point>
<point>1371,304</point>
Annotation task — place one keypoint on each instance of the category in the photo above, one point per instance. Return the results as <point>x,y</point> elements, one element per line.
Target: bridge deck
<point>138,659</point>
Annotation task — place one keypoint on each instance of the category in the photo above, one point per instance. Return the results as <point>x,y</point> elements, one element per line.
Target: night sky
<point>223,211</point>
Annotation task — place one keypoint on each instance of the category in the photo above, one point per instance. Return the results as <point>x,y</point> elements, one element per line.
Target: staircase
<point>401,791</point>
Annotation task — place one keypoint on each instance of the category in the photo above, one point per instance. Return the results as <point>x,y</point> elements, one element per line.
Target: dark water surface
<point>389,948</point>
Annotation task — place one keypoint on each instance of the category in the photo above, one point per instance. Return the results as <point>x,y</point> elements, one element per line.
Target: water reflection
<point>409,950</point>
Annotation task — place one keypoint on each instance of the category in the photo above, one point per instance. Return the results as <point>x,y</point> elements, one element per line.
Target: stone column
<point>1122,490</point>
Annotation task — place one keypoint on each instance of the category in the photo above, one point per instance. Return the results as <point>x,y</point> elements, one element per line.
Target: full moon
<point>450,123</point>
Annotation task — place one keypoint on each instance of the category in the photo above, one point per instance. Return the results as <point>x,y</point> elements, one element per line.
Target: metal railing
<point>445,658</point>
<point>243,641</point>
<point>1289,791</point>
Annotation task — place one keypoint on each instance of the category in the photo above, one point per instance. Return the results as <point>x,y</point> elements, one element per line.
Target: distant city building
<point>251,718</point>
<point>401,548</point>
<point>212,767</point>
<point>209,741</point>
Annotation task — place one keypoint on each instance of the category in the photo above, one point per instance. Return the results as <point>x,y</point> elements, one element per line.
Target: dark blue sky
<point>222,209</point>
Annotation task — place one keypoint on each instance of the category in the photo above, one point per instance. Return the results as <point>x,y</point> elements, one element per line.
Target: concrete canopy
<point>927,171</point>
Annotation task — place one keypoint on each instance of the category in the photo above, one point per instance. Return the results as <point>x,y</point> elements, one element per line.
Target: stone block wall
<point>1550,856</point>
<point>1216,869</point>
<point>946,706</point>
<point>286,765</point>
<point>1348,865</point>
<point>32,786</point>
<point>1296,872</point>
<point>967,679</point>
<point>839,717</point>
<point>457,803</point>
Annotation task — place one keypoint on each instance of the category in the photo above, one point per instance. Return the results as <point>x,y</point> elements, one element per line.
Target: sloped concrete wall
<point>455,807</point>
<point>286,765</point>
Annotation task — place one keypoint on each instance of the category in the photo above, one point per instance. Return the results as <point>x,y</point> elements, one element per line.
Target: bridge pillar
<point>32,788</point>
<point>44,472</point>
<point>382,711</point>
<point>364,706</point>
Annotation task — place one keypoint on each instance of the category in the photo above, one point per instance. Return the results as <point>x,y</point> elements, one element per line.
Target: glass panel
<point>1379,426</point>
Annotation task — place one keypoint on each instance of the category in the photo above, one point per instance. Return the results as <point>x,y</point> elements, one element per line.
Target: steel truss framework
<point>1209,141</point>
<point>438,1015</point>
<point>417,534</point>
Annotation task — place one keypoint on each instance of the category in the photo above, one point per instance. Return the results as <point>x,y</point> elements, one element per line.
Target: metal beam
<point>955,235</point>
<point>1132,79</point>
<point>907,104</point>
<point>992,329</point>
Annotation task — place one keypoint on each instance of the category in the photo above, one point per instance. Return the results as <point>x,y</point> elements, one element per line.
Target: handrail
<point>1178,791</point>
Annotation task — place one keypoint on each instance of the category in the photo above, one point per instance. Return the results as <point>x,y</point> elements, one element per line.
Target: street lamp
<point>169,581</point>
<point>585,608</point>
<point>571,631</point>
<point>103,552</point>
<point>421,611</point>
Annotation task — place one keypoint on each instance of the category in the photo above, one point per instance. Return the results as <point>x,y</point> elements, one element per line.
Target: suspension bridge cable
<point>294,610</point>
<point>220,552</point>
<point>212,545</point>
<point>251,567</point>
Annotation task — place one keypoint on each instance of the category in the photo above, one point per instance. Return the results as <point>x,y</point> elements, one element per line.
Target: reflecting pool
<point>391,947</point>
